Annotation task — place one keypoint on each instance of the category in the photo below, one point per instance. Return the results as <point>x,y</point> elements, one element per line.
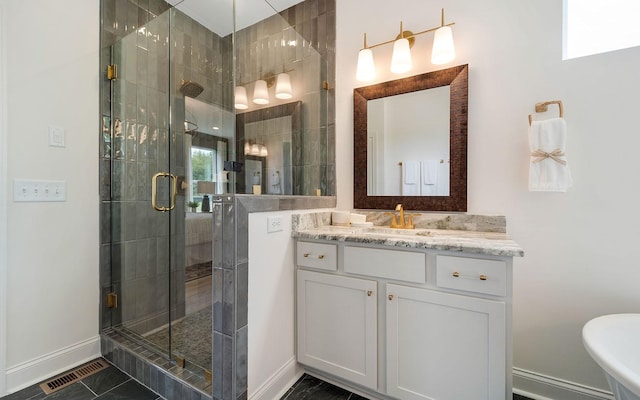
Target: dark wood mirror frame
<point>457,78</point>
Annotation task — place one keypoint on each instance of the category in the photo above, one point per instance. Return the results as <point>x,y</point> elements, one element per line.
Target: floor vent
<point>74,376</point>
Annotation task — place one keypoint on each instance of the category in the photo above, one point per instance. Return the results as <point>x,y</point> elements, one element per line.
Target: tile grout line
<point>83,384</point>
<point>117,386</point>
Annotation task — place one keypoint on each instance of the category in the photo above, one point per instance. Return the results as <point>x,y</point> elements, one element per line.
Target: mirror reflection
<point>209,133</point>
<point>409,156</point>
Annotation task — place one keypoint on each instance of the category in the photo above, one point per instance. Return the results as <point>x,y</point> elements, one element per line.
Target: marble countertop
<point>469,241</point>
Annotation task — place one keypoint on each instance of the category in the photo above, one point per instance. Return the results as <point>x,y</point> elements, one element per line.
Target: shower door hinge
<point>112,300</point>
<point>112,72</point>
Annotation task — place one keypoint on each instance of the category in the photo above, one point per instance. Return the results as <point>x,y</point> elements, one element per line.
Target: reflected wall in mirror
<point>410,142</point>
<point>408,156</point>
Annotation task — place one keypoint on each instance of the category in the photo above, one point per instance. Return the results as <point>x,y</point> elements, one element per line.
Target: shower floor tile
<point>108,384</point>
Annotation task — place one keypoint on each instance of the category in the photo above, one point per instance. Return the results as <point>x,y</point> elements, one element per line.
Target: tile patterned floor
<point>108,384</point>
<point>311,388</point>
<point>113,384</point>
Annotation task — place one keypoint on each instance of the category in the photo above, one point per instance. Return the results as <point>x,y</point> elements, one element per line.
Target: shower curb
<point>153,371</point>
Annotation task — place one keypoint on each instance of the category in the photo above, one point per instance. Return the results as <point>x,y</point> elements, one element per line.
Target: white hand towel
<point>410,172</point>
<point>430,172</point>
<point>548,165</point>
<point>410,178</point>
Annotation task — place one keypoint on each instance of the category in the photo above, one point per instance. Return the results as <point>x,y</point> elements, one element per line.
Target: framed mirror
<point>409,161</point>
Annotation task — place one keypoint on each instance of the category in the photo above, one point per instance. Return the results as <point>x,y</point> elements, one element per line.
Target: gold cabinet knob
<point>390,297</point>
<point>369,293</point>
<point>483,277</point>
<point>321,256</point>
<point>456,274</point>
<point>306,255</point>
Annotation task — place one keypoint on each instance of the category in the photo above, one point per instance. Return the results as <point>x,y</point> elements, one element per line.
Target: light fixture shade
<point>260,92</point>
<point>283,86</point>
<point>241,98</point>
<point>247,148</point>
<point>255,149</point>
<point>443,49</point>
<point>366,70</point>
<point>263,151</point>
<point>401,57</point>
<point>206,187</point>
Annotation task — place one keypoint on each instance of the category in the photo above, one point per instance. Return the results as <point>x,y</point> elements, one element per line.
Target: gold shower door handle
<point>154,191</point>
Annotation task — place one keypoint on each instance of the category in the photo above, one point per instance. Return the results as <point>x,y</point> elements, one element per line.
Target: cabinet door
<point>337,326</point>
<point>443,346</point>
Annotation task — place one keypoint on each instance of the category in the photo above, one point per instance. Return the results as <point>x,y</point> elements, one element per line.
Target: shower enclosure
<point>157,256</point>
<point>174,281</point>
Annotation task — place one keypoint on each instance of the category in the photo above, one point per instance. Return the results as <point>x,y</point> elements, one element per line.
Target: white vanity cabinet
<point>444,346</point>
<point>337,326</point>
<point>409,324</point>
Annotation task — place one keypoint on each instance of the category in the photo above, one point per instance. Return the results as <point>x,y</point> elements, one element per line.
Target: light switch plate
<point>56,136</point>
<point>27,190</point>
<point>274,223</point>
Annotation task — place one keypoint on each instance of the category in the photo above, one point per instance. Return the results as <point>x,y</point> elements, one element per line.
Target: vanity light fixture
<point>260,92</point>
<point>255,149</point>
<point>283,86</point>
<point>241,102</point>
<point>283,90</point>
<point>443,51</point>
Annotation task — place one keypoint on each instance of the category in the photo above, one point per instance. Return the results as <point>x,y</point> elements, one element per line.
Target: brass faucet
<point>402,224</point>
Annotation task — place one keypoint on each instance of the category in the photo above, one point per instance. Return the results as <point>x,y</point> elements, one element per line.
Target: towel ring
<point>544,107</point>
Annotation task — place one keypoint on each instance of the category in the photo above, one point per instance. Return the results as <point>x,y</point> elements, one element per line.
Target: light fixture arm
<point>407,34</point>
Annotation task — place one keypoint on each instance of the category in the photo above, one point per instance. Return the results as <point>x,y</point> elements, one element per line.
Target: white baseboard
<point>38,369</point>
<point>542,387</point>
<point>278,384</point>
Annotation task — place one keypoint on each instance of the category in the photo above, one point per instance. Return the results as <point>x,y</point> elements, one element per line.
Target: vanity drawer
<point>472,274</point>
<point>391,264</point>
<point>317,255</point>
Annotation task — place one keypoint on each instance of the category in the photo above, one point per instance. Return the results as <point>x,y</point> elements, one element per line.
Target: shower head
<point>191,88</point>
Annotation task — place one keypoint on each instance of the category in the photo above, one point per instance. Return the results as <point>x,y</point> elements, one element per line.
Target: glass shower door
<point>143,187</point>
<point>161,254</point>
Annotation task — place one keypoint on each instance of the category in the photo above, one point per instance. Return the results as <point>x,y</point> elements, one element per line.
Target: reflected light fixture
<point>255,149</point>
<point>283,86</point>
<point>241,102</point>
<point>260,92</point>
<point>443,51</point>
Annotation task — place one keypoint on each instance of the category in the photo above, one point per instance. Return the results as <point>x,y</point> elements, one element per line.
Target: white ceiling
<point>217,15</point>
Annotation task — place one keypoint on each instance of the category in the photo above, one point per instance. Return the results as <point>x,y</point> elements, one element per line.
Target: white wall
<point>50,50</point>
<point>580,258</point>
<point>272,362</point>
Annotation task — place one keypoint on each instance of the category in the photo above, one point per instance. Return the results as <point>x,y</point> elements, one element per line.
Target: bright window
<point>599,26</point>
<point>203,168</point>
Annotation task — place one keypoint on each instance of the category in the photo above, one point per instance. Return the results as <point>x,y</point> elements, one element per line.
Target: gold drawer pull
<point>369,293</point>
<point>457,275</point>
<point>390,297</point>
<point>320,257</point>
